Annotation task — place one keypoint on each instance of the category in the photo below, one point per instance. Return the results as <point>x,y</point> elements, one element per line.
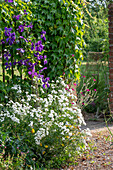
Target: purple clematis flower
<point>7,56</point>
<point>32,73</point>
<point>8,65</point>
<point>11,36</point>
<point>41,57</point>
<point>25,13</point>
<point>32,46</point>
<point>31,26</point>
<point>38,43</point>
<point>43,35</point>
<point>21,28</point>
<point>45,81</point>
<point>17,17</point>
<point>10,1</point>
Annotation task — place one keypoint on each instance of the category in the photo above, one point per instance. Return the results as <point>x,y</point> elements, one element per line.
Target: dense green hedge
<point>62,21</point>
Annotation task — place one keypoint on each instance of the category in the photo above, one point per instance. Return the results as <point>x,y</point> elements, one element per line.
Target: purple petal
<point>10,1</point>
<point>35,74</point>
<point>29,72</point>
<point>43,32</point>
<point>44,86</point>
<point>44,38</point>
<point>22,37</point>
<point>45,56</point>
<point>45,62</point>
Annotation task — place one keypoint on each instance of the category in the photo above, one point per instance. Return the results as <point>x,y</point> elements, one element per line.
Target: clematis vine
<point>29,53</point>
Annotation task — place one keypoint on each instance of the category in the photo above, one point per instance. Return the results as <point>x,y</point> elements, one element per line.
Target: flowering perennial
<point>54,121</point>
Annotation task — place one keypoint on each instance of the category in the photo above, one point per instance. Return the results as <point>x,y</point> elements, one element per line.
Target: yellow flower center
<point>32,131</point>
<point>46,146</point>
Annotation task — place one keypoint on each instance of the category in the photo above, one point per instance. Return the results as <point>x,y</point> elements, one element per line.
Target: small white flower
<point>31,123</point>
<point>57,81</point>
<point>15,119</point>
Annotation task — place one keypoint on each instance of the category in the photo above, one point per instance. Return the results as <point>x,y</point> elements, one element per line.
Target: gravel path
<point>100,157</point>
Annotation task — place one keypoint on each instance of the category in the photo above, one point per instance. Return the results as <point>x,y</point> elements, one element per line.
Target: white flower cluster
<point>57,111</point>
<point>17,87</point>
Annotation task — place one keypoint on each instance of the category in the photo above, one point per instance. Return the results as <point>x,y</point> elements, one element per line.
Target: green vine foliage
<point>62,21</point>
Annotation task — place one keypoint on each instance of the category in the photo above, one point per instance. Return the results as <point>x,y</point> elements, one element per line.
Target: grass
<point>98,70</point>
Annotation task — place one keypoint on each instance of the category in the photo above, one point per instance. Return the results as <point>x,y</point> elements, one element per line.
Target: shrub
<point>45,127</point>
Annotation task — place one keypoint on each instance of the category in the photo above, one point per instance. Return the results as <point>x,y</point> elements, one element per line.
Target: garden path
<point>100,156</point>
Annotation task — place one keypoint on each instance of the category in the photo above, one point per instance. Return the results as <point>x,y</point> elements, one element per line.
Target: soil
<point>100,157</point>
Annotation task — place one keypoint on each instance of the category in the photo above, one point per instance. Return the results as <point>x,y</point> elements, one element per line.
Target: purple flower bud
<point>45,68</point>
<point>43,32</point>
<point>14,63</point>
<point>48,78</point>
<point>22,37</point>
<point>2,41</point>
<point>45,56</point>
<point>45,62</point>
<point>44,38</point>
<point>7,58</point>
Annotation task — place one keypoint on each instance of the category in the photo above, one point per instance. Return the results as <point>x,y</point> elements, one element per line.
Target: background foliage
<point>96,26</point>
